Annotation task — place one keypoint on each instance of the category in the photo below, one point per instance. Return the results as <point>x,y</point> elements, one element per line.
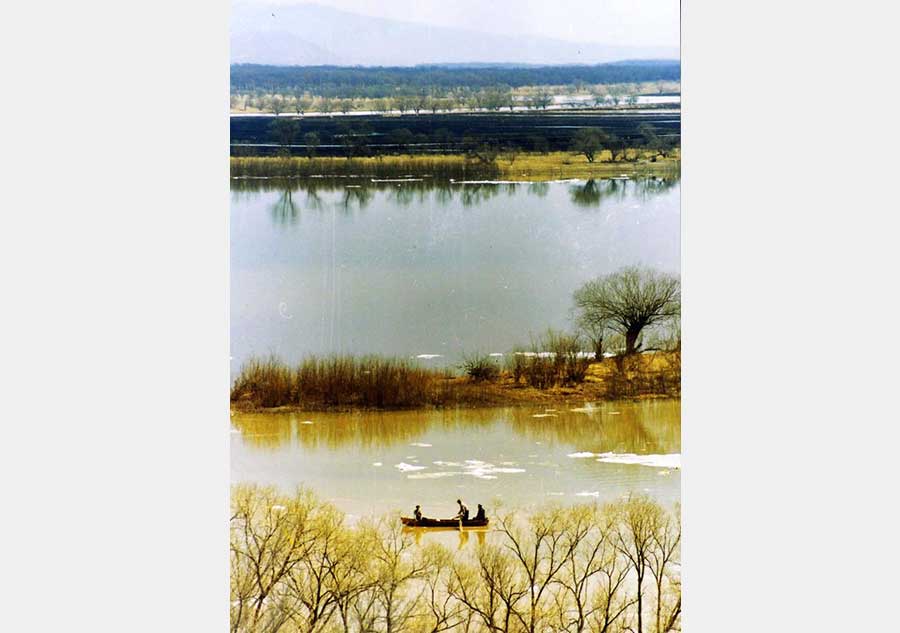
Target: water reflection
<point>372,463</point>
<point>651,427</point>
<point>478,266</point>
<point>357,193</point>
<point>284,209</point>
<point>594,192</point>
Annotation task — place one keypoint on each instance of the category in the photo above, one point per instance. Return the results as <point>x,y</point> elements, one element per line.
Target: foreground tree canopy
<point>297,567</point>
<point>627,302</point>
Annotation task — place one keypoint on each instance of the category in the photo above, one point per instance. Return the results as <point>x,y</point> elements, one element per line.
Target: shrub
<point>480,368</point>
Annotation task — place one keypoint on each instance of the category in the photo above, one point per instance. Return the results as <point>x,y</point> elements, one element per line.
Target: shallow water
<point>376,462</point>
<point>431,271</point>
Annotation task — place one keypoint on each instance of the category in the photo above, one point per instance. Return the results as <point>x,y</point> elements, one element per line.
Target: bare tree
<point>636,520</point>
<point>630,300</point>
<point>395,570</point>
<point>594,329</point>
<point>662,558</point>
<point>491,589</point>
<point>444,612</point>
<point>269,538</point>
<point>541,552</point>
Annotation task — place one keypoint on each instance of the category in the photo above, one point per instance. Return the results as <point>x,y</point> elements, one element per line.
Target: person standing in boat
<point>480,516</point>
<point>463,511</point>
<point>418,514</point>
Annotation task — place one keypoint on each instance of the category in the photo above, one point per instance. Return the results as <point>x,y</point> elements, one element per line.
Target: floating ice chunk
<point>377,464</point>
<point>437,475</point>
<point>403,467</point>
<point>421,445</point>
<point>587,494</point>
<point>588,408</point>
<point>582,455</point>
<point>508,470</point>
<point>557,494</point>
<point>671,461</point>
<point>544,415</point>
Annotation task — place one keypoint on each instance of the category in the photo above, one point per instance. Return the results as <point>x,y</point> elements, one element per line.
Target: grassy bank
<point>372,382</point>
<point>522,167</point>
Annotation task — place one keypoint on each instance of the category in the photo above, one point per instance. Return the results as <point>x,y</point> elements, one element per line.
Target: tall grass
<point>555,359</point>
<point>436,166</point>
<point>348,381</point>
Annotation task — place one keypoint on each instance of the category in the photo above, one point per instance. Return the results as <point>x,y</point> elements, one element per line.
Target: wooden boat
<point>443,523</point>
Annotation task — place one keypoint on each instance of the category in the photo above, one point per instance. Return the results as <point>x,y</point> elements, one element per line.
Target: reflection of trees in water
<point>594,191</point>
<point>653,186</point>
<point>285,209</point>
<point>473,194</point>
<point>355,195</point>
<point>404,195</point>
<point>643,427</point>
<point>539,189</point>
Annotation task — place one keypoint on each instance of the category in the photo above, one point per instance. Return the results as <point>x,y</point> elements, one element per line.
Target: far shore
<point>521,167</point>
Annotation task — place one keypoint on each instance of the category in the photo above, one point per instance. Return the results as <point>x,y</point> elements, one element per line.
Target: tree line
<point>372,82</point>
<point>358,139</point>
<point>434,99</point>
<point>297,566</point>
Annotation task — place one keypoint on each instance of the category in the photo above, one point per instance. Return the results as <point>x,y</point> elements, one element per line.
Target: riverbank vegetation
<point>494,135</point>
<point>612,312</point>
<point>327,89</point>
<point>298,566</point>
<point>510,165</point>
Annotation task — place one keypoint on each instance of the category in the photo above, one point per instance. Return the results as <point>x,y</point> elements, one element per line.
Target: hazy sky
<point>611,22</point>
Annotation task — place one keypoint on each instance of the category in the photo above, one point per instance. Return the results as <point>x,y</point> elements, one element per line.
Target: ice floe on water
<point>671,461</point>
<point>433,475</point>
<point>377,464</point>
<point>421,445</point>
<point>471,468</point>
<point>403,467</point>
<point>544,415</point>
<point>585,493</point>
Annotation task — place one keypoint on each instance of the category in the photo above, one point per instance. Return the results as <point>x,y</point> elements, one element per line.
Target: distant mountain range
<point>310,34</point>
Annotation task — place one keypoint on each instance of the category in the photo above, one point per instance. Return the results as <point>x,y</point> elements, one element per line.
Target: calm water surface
<point>438,271</point>
<point>370,463</point>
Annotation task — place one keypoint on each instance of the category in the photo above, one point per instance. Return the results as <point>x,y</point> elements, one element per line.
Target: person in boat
<point>418,514</point>
<point>463,511</point>
<point>479,516</point>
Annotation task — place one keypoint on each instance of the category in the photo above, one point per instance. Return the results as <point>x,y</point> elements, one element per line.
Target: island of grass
<point>521,167</point>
